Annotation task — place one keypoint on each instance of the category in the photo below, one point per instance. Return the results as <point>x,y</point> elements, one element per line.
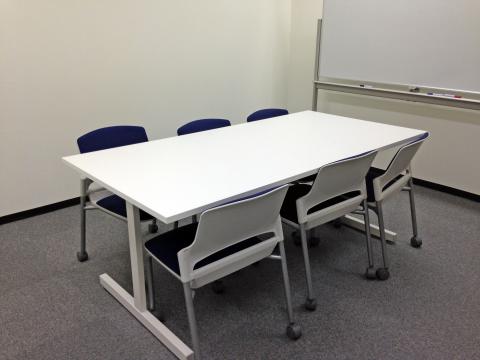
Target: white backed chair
<point>225,239</point>
<point>382,184</point>
<point>338,189</point>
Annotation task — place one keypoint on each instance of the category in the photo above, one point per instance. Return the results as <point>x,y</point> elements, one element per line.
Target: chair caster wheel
<point>416,242</point>
<point>337,223</point>
<point>218,287</point>
<point>382,274</point>
<point>311,304</point>
<point>82,256</point>
<point>294,331</point>
<point>152,228</point>
<point>370,273</point>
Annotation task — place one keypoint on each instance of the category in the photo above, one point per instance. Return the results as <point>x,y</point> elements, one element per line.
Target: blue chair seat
<point>371,175</point>
<point>289,207</point>
<point>117,205</point>
<point>165,247</point>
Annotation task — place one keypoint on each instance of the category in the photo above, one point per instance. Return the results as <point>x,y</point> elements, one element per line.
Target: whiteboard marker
<point>445,95</point>
<point>366,86</point>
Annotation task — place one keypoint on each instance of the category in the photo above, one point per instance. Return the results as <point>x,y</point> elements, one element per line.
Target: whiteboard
<point>425,43</point>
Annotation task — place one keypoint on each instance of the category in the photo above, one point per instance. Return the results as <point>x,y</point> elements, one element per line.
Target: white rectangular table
<point>177,177</point>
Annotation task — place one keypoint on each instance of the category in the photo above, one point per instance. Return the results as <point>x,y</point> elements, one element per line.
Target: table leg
<point>359,224</point>
<point>137,304</point>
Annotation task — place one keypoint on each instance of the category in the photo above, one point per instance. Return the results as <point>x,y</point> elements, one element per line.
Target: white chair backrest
<point>229,224</point>
<point>337,179</point>
<point>399,164</point>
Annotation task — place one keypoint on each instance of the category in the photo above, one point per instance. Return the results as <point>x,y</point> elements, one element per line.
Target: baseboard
<point>75,201</point>
<point>39,211</point>
<point>447,189</point>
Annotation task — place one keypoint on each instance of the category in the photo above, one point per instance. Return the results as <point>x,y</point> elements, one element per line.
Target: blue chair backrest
<point>202,125</point>
<point>266,114</point>
<point>111,137</point>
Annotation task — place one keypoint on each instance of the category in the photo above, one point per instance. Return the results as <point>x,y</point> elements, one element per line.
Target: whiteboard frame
<point>469,100</point>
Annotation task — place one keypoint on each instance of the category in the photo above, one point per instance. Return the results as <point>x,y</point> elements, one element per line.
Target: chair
<point>99,198</point>
<point>226,239</point>
<point>199,126</point>
<point>202,125</point>
<point>266,114</point>
<point>382,184</point>
<point>338,189</point>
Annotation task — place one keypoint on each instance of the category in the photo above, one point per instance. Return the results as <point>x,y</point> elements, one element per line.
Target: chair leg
<point>150,289</point>
<point>311,303</point>
<point>415,241</point>
<point>370,272</point>
<point>175,225</point>
<point>191,319</point>
<point>293,330</point>
<point>382,273</point>
<point>82,254</point>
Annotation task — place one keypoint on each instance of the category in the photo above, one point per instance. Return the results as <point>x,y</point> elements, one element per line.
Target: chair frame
<point>86,205</point>
<point>193,279</point>
<point>306,222</point>
<point>399,165</point>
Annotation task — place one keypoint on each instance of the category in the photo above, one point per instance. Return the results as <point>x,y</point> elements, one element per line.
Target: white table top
<point>177,177</point>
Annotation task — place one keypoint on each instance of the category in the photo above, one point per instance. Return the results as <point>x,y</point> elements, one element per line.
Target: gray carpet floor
<point>53,307</point>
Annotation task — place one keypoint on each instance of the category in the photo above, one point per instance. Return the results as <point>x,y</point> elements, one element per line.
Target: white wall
<point>68,67</point>
<point>450,157</point>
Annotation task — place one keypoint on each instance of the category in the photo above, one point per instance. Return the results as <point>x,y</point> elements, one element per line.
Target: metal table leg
<point>137,304</point>
<point>359,224</point>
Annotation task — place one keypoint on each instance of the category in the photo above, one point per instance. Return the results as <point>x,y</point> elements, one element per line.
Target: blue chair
<point>99,198</point>
<point>202,125</point>
<point>226,239</point>
<point>199,126</point>
<point>266,114</point>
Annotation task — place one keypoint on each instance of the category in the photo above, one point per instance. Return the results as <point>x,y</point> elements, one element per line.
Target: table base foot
<point>161,332</point>
<point>358,224</point>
